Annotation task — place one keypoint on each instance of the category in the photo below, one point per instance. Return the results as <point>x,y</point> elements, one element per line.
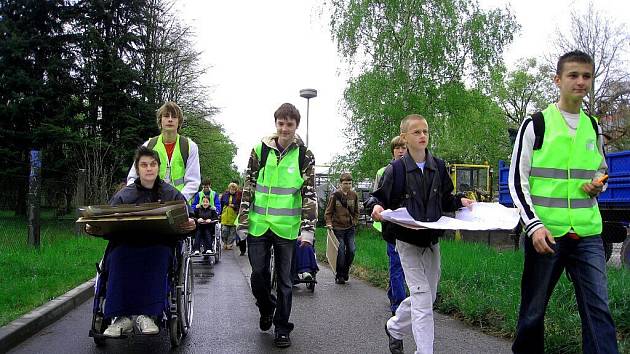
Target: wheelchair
<point>310,284</point>
<point>216,251</point>
<point>176,318</point>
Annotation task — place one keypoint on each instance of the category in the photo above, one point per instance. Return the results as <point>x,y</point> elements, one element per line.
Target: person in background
<point>342,216</point>
<point>230,202</point>
<point>206,217</point>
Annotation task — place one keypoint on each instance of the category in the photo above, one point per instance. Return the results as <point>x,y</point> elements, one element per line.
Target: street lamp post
<point>308,94</point>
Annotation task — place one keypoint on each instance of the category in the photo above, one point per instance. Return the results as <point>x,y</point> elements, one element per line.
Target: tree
<point>216,151</point>
<point>523,91</point>
<point>36,91</point>
<point>412,57</point>
<point>606,42</point>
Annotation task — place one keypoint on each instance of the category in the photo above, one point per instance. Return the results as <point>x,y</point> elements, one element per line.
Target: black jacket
<point>135,193</point>
<point>206,213</point>
<point>428,194</point>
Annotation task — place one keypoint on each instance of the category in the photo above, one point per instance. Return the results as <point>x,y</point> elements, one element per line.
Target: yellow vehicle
<point>475,181</point>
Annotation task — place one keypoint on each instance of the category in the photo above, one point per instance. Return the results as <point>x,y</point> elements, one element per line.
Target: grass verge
<point>30,277</point>
<point>481,286</point>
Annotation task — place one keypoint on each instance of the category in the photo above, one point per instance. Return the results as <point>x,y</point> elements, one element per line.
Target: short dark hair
<point>145,151</point>
<point>345,177</point>
<point>206,182</point>
<point>575,56</point>
<point>287,110</point>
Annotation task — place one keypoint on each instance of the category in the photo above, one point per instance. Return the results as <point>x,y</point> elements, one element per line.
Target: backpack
<point>264,153</point>
<point>539,128</point>
<point>183,146</point>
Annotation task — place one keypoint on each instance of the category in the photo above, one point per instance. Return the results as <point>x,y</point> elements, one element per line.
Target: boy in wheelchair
<point>134,273</point>
<point>206,217</point>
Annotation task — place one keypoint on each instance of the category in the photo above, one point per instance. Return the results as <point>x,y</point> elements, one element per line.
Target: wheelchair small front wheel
<point>174,331</point>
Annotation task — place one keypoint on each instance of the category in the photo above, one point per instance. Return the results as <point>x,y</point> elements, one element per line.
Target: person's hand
<point>329,227</point>
<point>200,220</point>
<point>376,213</point>
<point>93,230</point>
<point>593,188</point>
<point>186,226</point>
<point>304,243</point>
<point>468,203</point>
<point>231,206</point>
<point>541,240</point>
<point>198,206</point>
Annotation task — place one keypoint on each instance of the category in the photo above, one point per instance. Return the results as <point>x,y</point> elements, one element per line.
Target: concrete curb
<point>24,327</point>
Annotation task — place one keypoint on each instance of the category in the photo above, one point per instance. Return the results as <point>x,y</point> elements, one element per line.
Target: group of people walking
<point>554,185</point>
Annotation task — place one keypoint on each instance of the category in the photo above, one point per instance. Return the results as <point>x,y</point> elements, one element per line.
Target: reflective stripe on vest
<point>559,169</point>
<point>277,199</point>
<point>171,171</point>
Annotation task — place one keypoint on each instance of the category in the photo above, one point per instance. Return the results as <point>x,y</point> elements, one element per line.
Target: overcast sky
<point>261,54</point>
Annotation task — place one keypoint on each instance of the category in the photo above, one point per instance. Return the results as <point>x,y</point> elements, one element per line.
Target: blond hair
<point>404,124</point>
<point>174,110</point>
<point>232,184</point>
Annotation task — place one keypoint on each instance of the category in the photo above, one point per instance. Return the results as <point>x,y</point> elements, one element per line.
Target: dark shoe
<point>395,345</point>
<point>265,322</point>
<point>242,253</point>
<point>282,341</point>
<point>339,280</point>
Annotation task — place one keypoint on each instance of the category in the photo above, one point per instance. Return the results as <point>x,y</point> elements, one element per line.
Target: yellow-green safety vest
<point>171,171</point>
<point>210,197</point>
<point>558,171</point>
<point>277,202</point>
<point>379,174</point>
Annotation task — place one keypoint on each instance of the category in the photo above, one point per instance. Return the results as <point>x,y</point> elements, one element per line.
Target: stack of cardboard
<point>153,218</point>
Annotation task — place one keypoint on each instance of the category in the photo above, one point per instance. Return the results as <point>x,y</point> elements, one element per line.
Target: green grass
<point>30,277</point>
<point>481,286</point>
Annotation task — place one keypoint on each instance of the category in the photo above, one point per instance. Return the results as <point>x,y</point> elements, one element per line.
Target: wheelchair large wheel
<point>185,297</point>
<point>218,249</point>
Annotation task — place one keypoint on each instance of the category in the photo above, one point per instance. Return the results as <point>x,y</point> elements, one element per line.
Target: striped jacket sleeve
<point>518,180</point>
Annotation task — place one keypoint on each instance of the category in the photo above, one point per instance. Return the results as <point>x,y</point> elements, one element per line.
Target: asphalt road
<point>334,319</point>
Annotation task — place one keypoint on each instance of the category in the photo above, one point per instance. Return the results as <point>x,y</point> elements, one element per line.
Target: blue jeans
<point>396,291</point>
<point>345,254</point>
<point>259,258</point>
<point>585,263</point>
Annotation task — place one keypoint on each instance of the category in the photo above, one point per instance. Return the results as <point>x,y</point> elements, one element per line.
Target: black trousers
<point>259,258</point>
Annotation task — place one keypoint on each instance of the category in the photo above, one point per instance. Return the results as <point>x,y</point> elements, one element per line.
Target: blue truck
<point>614,203</point>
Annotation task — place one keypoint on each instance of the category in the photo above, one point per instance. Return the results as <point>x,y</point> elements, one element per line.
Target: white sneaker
<point>208,252</point>
<point>121,324</point>
<point>307,276</point>
<point>196,253</point>
<point>146,325</point>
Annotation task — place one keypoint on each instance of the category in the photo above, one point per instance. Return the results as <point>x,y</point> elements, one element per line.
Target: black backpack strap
<point>400,180</point>
<point>539,129</point>
<point>264,152</point>
<point>184,148</point>
<point>301,157</point>
<point>152,142</point>
<point>594,124</point>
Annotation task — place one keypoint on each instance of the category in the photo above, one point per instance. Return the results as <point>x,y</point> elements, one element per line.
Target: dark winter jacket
<point>428,194</point>
<point>206,213</point>
<point>135,193</point>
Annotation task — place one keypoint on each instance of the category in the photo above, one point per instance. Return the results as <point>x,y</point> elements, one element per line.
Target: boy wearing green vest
<point>278,207</point>
<point>179,155</point>
<point>396,291</point>
<point>206,191</point>
<point>555,185</point>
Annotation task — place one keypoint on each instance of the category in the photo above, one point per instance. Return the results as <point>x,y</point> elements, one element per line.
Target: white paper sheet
<point>483,216</point>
